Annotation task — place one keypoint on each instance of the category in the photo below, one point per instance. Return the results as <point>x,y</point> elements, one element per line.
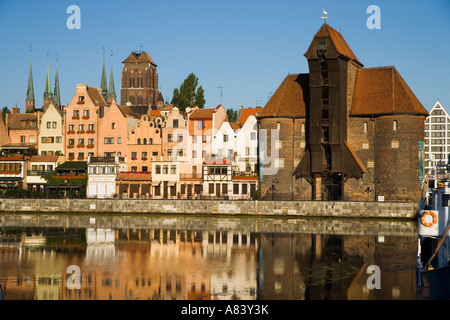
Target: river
<point>171,257</point>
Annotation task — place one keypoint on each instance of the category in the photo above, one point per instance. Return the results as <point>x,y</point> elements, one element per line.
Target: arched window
<point>365,127</point>
<point>139,141</point>
<point>394,125</point>
<point>145,141</point>
<point>151,141</point>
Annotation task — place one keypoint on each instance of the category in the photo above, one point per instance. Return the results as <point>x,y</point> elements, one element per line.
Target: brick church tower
<point>140,83</point>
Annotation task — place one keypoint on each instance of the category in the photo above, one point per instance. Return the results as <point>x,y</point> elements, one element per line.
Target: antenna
<point>220,93</point>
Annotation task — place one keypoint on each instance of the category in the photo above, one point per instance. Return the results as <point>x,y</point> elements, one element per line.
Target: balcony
<point>38,172</point>
<point>190,176</point>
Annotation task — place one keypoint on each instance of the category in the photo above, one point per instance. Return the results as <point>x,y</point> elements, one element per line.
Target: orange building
<point>81,123</point>
<point>144,142</point>
<point>114,128</point>
<point>23,127</point>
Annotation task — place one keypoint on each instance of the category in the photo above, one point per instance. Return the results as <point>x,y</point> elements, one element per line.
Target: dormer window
<point>322,46</point>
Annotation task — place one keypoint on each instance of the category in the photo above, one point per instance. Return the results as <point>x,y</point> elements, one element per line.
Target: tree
<point>188,95</point>
<point>232,115</point>
<point>5,110</point>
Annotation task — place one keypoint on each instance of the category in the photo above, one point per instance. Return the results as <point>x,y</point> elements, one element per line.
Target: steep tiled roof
<point>127,111</point>
<point>290,99</point>
<point>382,90</point>
<point>16,122</point>
<point>135,57</point>
<point>338,40</point>
<point>247,112</point>
<point>202,114</point>
<point>234,125</point>
<point>96,97</point>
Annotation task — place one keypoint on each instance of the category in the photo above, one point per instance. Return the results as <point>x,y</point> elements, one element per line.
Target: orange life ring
<point>429,224</point>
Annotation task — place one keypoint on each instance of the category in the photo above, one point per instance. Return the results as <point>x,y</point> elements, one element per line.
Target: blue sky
<point>245,46</point>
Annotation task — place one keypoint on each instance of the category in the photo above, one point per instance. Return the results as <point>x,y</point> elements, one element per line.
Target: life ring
<point>424,219</point>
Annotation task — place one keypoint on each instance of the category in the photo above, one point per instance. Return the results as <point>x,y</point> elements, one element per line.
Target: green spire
<point>56,94</point>
<point>112,90</point>
<point>48,87</point>
<point>103,84</point>
<point>30,90</point>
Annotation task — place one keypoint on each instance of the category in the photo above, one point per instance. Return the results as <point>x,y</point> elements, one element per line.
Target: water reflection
<point>186,264</point>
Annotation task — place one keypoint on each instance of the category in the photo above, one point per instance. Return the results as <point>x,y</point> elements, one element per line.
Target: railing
<point>38,172</point>
<point>190,175</point>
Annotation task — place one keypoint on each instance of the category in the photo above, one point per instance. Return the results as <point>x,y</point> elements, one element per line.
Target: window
<point>58,139</point>
<point>170,137</point>
<point>113,125</point>
<point>81,155</point>
<point>144,155</point>
<point>211,188</point>
<point>91,141</point>
<point>144,141</point>
<point>139,141</point>
<point>81,127</point>
<point>194,154</point>
<point>71,155</point>
<point>80,98</point>
<point>71,142</point>
<point>81,142</point>
<point>134,169</point>
<point>32,139</point>
<point>244,188</point>
<point>169,152</point>
<point>175,123</point>
<point>91,127</point>
<point>253,136</point>
<point>109,140</point>
<point>200,124</point>
<point>247,151</point>
<point>144,169</point>
<point>180,138</point>
<point>49,124</point>
<point>365,127</point>
<point>204,139</point>
<point>119,140</point>
<point>394,144</point>
<point>194,139</point>
<point>54,124</point>
<point>173,169</point>
<point>86,113</point>
<point>71,127</point>
<point>134,155</point>
<point>165,169</point>
<point>76,113</point>
<point>22,139</point>
<point>394,125</point>
<point>180,152</point>
<point>236,188</point>
<point>158,169</point>
<point>225,138</point>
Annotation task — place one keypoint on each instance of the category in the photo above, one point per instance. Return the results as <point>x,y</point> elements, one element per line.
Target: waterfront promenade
<point>338,209</point>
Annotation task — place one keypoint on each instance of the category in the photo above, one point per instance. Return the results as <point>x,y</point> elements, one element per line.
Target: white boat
<point>433,259</point>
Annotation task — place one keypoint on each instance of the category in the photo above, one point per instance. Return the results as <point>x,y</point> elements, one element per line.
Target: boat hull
<point>435,284</point>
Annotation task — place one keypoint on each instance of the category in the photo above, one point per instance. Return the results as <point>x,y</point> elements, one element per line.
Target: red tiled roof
<point>247,112</point>
<point>290,99</point>
<point>381,91</point>
<point>134,176</point>
<point>202,114</point>
<point>48,158</point>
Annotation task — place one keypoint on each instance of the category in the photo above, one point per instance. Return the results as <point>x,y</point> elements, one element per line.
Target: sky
<point>246,47</point>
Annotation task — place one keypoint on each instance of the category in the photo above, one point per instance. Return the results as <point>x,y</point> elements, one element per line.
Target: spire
<point>29,101</point>
<point>48,87</point>
<point>103,83</point>
<point>112,90</point>
<point>56,94</point>
<point>30,90</point>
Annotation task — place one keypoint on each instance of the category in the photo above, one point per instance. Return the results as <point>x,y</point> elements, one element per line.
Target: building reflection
<point>161,264</point>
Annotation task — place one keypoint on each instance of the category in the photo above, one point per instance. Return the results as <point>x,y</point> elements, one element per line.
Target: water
<point>211,258</point>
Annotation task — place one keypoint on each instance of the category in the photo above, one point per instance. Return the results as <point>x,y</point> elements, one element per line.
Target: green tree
<point>232,115</point>
<point>188,95</point>
<point>5,110</point>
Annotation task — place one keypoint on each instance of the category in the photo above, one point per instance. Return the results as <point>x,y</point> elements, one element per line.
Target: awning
<point>155,183</point>
<point>172,183</point>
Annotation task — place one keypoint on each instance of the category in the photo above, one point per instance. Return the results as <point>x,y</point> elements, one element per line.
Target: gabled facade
<point>437,137</point>
<point>81,123</point>
<point>51,132</point>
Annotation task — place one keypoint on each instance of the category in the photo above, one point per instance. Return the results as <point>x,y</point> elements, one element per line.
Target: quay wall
<point>338,209</point>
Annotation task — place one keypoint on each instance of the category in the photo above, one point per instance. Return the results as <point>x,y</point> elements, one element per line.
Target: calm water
<point>184,258</point>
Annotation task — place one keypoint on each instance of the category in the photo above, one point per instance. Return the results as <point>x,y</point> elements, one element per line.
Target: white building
<point>102,172</point>
<point>437,136</point>
<point>247,146</point>
<point>39,166</point>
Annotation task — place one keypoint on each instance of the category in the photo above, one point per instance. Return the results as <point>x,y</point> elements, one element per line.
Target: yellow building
<point>51,132</point>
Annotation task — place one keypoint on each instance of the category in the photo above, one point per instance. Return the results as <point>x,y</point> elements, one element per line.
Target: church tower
<point>30,103</point>
<point>111,96</point>
<point>48,96</point>
<point>140,83</point>
<point>56,93</point>
<point>103,81</point>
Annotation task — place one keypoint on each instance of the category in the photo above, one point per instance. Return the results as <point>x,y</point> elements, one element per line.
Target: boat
<point>433,255</point>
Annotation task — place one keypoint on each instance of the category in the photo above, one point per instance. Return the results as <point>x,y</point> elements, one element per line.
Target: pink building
<point>144,142</point>
<point>23,127</point>
<point>81,123</point>
<point>114,127</point>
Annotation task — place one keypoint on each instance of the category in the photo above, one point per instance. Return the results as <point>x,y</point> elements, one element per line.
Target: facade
<point>114,127</point>
<point>247,142</point>
<point>342,131</point>
<point>140,83</point>
<point>81,123</point>
<point>217,178</point>
<point>437,137</point>
<point>134,184</point>
<point>13,172</point>
<point>38,166</point>
<point>144,142</point>
<point>102,173</point>
<point>166,177</point>
<point>51,132</point>
<point>23,127</point>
